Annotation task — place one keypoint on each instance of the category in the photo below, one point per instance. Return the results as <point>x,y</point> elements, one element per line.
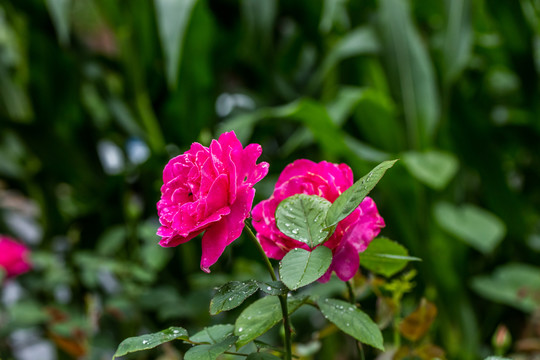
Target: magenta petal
<point>214,242</point>
<point>217,197</point>
<point>327,275</point>
<point>229,228</point>
<point>296,168</point>
<point>346,262</point>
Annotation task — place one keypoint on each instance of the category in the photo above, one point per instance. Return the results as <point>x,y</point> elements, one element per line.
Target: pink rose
<point>209,189</point>
<point>13,257</point>
<point>353,234</point>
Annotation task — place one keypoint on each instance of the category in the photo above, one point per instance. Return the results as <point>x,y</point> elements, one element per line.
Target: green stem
<point>352,299</point>
<point>269,266</point>
<point>282,298</point>
<point>351,292</point>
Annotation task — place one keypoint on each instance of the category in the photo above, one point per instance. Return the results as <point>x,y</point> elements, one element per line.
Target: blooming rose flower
<point>209,189</point>
<point>13,257</point>
<point>353,234</point>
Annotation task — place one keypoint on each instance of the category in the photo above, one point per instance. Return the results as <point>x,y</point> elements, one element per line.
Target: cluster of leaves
<point>449,87</point>
<point>311,220</point>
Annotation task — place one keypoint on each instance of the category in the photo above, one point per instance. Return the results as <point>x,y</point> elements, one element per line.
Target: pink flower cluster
<point>353,234</point>
<point>209,189</point>
<point>13,257</point>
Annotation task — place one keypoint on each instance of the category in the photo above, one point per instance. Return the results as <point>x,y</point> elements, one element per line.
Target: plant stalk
<point>352,300</point>
<point>282,298</point>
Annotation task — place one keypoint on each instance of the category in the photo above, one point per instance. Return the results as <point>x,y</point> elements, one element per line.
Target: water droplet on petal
<point>269,288</point>
<point>230,299</point>
<point>145,342</point>
<point>240,329</point>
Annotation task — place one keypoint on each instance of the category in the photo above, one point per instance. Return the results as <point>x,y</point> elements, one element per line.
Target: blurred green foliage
<point>97,95</point>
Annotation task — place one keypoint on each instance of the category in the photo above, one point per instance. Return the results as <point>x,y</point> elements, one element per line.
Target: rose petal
<point>346,262</point>
<point>217,197</point>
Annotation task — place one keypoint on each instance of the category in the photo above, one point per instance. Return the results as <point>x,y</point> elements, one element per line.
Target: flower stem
<point>351,292</point>
<point>269,266</point>
<point>282,298</point>
<point>352,300</point>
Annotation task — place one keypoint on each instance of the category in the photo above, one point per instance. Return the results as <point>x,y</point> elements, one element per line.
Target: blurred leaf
<point>332,9</point>
<point>261,316</point>
<point>112,240</point>
<point>458,38</point>
<point>360,41</point>
<point>417,323</point>
<point>232,295</point>
<point>496,358</point>
<point>213,334</point>
<point>150,341</point>
<point>59,11</point>
<point>301,267</point>
<point>210,352</point>
<point>477,227</point>
<point>154,256</point>
<point>352,321</point>
<point>259,17</point>
<point>386,257</point>
<point>376,117</point>
<point>27,313</point>
<point>516,285</point>
<point>13,154</point>
<point>261,356</point>
<point>433,168</point>
<point>302,216</point>
<point>366,152</point>
<point>344,103</point>
<point>13,67</point>
<point>173,18</point>
<point>411,70</point>
<point>314,115</point>
<point>345,204</point>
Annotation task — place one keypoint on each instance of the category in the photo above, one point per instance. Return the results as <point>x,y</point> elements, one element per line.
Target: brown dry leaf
<point>429,352</point>
<point>414,326</point>
<point>403,352</point>
<point>76,347</point>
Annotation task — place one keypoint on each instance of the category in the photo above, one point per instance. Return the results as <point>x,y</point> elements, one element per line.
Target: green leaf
<point>261,356</point>
<point>213,334</point>
<point>59,11</point>
<point>353,196</point>
<point>517,285</point>
<point>475,226</point>
<point>210,352</point>
<point>27,313</point>
<point>173,18</point>
<point>433,168</point>
<point>359,41</point>
<point>411,70</point>
<point>273,287</point>
<point>352,321</point>
<point>301,217</point>
<point>496,358</point>
<point>150,341</point>
<point>261,316</point>
<point>458,39</point>
<point>377,120</point>
<point>386,257</point>
<point>301,267</point>
<point>232,295</point>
